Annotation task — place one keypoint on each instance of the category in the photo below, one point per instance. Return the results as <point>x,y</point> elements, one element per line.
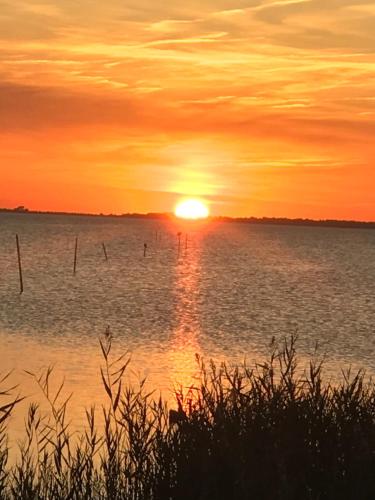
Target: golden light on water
<point>185,339</point>
<point>192,209</point>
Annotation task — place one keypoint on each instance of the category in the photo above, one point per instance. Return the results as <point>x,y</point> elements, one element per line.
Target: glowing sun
<point>192,209</point>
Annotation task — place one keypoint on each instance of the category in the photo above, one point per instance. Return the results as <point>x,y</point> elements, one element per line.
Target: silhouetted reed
<point>270,432</point>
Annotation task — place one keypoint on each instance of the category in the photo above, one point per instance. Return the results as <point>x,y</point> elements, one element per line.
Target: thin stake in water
<point>179,241</point>
<point>75,256</point>
<point>105,252</point>
<point>19,263</point>
<point>145,250</point>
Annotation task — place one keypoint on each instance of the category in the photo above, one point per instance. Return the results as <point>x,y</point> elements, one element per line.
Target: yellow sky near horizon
<point>261,107</point>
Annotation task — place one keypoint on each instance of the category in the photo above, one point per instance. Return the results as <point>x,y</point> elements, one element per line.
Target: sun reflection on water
<point>184,340</point>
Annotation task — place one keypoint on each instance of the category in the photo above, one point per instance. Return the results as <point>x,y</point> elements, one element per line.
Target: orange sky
<point>261,107</point>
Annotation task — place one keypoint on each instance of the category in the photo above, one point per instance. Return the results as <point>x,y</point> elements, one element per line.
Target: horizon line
<point>161,215</point>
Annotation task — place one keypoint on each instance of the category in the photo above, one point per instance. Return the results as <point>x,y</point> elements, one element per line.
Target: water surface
<point>225,296</point>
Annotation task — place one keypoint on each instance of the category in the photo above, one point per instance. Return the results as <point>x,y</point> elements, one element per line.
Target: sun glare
<point>191,209</point>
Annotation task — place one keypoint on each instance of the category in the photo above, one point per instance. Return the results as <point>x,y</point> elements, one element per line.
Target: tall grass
<point>271,432</point>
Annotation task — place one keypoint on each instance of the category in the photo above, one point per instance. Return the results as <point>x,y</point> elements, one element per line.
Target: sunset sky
<point>260,107</point>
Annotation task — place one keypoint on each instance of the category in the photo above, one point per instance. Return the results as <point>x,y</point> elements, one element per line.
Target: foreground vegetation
<point>265,433</point>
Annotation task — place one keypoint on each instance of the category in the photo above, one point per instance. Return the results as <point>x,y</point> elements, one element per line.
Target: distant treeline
<point>280,221</point>
<point>24,210</point>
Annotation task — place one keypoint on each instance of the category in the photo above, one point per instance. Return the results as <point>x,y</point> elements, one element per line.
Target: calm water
<point>235,287</point>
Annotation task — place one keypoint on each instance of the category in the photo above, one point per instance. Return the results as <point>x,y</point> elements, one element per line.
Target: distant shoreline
<point>279,221</point>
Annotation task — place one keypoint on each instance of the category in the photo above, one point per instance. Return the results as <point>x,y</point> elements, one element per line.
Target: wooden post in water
<point>19,263</point>
<point>75,256</point>
<point>105,252</point>
<point>186,241</point>
<point>145,250</point>
<point>179,241</point>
